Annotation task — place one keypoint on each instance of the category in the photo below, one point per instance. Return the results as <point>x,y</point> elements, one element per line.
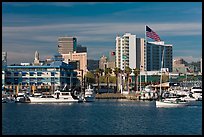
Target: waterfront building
<point>153,56</point>
<point>128,51</point>
<point>47,77</point>
<point>80,61</point>
<point>67,44</point>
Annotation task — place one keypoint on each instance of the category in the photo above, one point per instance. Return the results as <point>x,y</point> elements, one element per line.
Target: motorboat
<point>89,95</point>
<point>57,97</point>
<point>197,92</point>
<point>171,102</point>
<point>20,96</point>
<point>8,100</point>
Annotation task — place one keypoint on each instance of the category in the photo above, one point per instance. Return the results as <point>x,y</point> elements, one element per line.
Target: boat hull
<point>89,99</point>
<point>169,104</point>
<point>51,100</point>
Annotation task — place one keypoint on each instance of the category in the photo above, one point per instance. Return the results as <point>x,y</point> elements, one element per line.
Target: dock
<point>110,96</point>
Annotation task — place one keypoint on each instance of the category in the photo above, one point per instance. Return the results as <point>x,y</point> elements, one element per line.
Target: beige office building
<point>81,58</point>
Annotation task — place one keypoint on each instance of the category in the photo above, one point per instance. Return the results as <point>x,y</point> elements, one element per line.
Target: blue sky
<point>31,26</point>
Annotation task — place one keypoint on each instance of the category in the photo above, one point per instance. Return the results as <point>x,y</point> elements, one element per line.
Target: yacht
<point>57,97</point>
<point>171,102</point>
<point>20,96</point>
<point>89,95</point>
<point>197,92</point>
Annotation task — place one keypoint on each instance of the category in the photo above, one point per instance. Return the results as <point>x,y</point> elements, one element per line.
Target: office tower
<point>80,49</point>
<point>153,57</point>
<point>67,44</point>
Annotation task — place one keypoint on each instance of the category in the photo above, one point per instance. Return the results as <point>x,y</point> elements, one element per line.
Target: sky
<point>35,26</point>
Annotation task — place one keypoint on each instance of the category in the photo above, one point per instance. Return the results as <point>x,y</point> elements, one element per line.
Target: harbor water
<point>102,117</point>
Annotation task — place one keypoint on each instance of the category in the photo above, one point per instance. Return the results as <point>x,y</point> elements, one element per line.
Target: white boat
<point>197,92</point>
<point>58,97</point>
<point>171,102</point>
<point>20,96</point>
<point>168,102</point>
<point>89,95</point>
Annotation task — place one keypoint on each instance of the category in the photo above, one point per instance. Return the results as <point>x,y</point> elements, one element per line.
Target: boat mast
<point>160,91</point>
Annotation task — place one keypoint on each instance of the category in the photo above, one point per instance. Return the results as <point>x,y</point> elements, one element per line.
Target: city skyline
<point>31,26</point>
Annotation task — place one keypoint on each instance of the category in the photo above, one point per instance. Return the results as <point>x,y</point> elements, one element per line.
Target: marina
<point>104,116</point>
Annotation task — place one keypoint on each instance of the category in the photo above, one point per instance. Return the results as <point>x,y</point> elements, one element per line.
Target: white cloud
<point>111,28</point>
<point>92,34</point>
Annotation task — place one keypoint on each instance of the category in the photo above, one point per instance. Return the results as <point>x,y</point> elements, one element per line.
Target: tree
<point>108,71</point>
<point>98,73</point>
<point>128,70</point>
<point>117,71</point>
<point>136,72</point>
<point>89,77</point>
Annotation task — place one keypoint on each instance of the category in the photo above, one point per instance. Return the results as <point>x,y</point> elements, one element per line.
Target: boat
<point>89,95</point>
<point>8,100</point>
<point>168,102</point>
<point>171,102</point>
<point>57,97</point>
<point>20,96</point>
<point>197,92</point>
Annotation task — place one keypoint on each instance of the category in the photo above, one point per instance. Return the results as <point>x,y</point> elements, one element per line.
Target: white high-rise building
<point>128,51</point>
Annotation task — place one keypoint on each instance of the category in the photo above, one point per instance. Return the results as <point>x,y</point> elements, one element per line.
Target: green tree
<point>136,72</point>
<point>117,71</point>
<point>98,73</point>
<point>89,78</point>
<point>108,71</point>
<point>128,70</point>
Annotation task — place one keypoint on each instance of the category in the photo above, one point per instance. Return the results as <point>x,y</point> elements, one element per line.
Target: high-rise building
<point>128,51</point>
<point>4,59</point>
<point>80,49</point>
<point>103,62</point>
<point>153,56</point>
<point>67,44</point>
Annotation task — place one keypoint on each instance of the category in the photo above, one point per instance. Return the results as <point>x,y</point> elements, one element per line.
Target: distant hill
<point>196,66</point>
<point>92,64</point>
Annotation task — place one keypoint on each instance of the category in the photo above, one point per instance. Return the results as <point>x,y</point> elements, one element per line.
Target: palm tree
<point>108,71</point>
<point>117,71</point>
<point>128,70</point>
<point>136,72</point>
<point>98,74</point>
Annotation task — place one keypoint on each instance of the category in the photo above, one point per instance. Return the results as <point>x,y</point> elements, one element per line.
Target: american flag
<point>151,34</point>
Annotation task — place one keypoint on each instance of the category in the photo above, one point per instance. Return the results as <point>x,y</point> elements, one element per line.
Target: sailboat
<point>168,102</point>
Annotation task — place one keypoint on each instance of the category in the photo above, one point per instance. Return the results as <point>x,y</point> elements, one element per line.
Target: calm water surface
<point>103,117</point>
